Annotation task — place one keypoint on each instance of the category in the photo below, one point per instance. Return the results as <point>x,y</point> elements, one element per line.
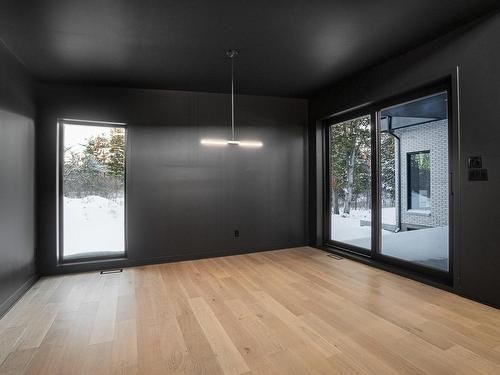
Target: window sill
<point>419,212</point>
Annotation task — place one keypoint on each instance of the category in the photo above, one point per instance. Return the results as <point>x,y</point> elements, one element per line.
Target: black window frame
<point>408,181</point>
<point>60,211</point>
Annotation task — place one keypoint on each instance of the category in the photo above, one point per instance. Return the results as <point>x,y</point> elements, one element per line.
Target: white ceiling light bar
<point>214,142</point>
<point>224,142</point>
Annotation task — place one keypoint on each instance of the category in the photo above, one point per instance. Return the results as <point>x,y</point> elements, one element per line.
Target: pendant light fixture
<point>233,141</point>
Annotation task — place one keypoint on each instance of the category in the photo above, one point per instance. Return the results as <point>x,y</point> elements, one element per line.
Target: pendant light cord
<point>232,98</point>
<point>233,142</point>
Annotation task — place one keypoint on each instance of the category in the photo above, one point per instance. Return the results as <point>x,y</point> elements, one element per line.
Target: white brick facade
<point>431,137</point>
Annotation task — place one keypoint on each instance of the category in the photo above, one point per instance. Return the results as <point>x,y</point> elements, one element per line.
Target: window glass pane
<point>414,181</point>
<point>350,181</point>
<point>419,180</point>
<point>93,191</point>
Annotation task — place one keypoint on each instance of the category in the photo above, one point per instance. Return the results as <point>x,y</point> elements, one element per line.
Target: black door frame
<point>445,84</point>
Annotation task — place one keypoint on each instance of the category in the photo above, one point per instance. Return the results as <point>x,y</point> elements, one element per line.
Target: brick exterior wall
<point>432,136</point>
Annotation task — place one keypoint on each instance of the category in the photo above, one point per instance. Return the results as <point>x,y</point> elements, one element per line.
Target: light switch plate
<point>475,162</point>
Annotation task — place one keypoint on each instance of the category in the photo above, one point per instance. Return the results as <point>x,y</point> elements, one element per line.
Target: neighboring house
<point>425,143</point>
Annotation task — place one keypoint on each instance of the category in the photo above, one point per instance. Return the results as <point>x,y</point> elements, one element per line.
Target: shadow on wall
<point>17,199</point>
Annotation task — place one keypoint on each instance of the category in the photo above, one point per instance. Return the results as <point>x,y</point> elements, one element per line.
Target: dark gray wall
<point>185,200</point>
<point>17,180</point>
<point>474,49</point>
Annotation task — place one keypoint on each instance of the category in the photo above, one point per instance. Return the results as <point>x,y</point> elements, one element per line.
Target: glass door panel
<point>414,184</point>
<point>350,211</point>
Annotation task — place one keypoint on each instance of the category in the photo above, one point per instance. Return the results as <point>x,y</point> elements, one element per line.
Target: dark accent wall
<point>17,180</point>
<point>474,50</point>
<point>185,200</point>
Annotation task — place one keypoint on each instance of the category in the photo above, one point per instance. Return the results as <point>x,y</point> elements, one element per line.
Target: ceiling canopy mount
<point>232,53</point>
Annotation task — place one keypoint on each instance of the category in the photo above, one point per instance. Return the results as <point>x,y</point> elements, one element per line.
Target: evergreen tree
<point>109,151</point>
<point>99,168</point>
<point>116,158</point>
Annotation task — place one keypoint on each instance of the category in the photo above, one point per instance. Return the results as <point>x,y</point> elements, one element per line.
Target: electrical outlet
<point>236,233</point>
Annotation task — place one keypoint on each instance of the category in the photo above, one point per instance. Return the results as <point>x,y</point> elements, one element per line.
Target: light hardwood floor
<point>292,311</point>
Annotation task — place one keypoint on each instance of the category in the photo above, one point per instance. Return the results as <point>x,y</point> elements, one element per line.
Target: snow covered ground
<point>424,246</point>
<point>427,246</point>
<point>348,228</point>
<point>93,225</point>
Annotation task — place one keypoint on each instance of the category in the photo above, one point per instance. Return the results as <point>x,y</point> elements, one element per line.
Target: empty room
<point>250,187</point>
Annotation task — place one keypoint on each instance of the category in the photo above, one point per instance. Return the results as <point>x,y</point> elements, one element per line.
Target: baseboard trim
<point>6,305</point>
<point>99,265</point>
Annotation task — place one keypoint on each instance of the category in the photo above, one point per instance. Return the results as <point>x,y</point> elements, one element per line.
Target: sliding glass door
<point>92,190</point>
<point>400,213</point>
<point>350,193</point>
<point>414,182</point>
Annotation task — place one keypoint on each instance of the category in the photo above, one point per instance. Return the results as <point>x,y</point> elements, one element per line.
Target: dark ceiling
<point>287,48</point>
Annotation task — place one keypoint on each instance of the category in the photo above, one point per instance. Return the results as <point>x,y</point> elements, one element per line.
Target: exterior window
<point>92,200</point>
<point>419,180</point>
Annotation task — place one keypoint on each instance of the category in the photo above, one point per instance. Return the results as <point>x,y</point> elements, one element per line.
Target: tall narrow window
<point>92,190</point>
<point>419,180</point>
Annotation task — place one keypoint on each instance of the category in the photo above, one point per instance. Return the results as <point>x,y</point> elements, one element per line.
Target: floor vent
<point>117,270</point>
<point>335,256</point>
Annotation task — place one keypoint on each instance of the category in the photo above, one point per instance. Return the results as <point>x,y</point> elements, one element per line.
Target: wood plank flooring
<point>293,311</point>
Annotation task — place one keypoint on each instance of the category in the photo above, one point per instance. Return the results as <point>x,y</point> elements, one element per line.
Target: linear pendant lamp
<point>234,142</point>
